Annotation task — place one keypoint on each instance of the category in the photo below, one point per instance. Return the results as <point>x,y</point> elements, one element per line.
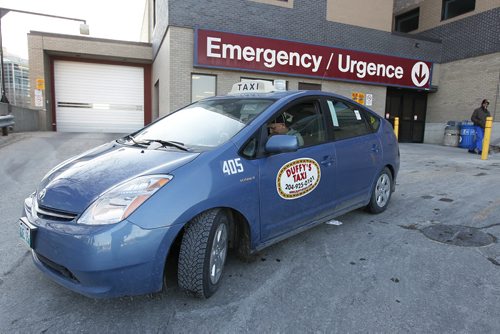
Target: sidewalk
<point>452,154</point>
<point>14,137</point>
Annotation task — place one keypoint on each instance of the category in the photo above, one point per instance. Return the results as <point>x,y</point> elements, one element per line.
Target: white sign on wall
<point>369,100</point>
<point>38,98</point>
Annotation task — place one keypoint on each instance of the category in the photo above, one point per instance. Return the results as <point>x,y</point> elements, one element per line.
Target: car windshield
<point>205,124</point>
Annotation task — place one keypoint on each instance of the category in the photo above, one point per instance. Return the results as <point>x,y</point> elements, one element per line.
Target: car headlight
<point>118,203</point>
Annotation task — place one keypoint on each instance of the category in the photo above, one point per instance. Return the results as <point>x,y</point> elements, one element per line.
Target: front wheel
<point>381,193</point>
<point>203,253</point>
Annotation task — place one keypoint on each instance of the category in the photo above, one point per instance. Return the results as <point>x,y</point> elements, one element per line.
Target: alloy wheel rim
<point>382,190</point>
<point>218,253</point>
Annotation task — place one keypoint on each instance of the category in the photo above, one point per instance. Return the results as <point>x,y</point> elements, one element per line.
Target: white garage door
<point>98,97</point>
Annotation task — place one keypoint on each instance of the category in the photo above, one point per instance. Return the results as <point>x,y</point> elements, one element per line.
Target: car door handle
<point>375,148</point>
<point>327,161</point>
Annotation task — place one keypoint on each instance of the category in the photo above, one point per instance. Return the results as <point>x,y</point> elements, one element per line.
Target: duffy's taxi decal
<point>298,178</point>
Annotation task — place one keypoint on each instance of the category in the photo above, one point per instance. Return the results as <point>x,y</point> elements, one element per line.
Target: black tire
<point>205,240</point>
<point>381,192</point>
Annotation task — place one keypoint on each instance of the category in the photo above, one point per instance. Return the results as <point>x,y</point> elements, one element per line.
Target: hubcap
<point>382,190</point>
<point>218,253</point>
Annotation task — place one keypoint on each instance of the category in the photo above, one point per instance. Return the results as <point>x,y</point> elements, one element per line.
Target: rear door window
<point>347,121</point>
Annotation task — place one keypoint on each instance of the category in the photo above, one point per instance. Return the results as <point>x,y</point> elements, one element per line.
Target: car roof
<point>277,95</point>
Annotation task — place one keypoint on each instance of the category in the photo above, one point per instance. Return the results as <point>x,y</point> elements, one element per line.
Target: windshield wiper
<point>175,144</point>
<point>132,139</point>
<point>146,142</point>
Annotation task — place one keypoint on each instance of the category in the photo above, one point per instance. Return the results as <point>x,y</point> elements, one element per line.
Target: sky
<point>113,19</point>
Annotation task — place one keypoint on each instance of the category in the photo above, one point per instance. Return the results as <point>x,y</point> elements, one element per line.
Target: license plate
<point>26,231</point>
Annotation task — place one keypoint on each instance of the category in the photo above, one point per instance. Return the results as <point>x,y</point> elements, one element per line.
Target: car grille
<point>58,269</point>
<point>48,213</point>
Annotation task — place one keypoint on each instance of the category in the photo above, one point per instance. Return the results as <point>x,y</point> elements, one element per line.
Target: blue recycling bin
<point>467,134</point>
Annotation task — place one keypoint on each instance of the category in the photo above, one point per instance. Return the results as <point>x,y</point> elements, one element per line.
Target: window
<point>156,101</point>
<point>202,86</point>
<point>250,149</point>
<point>347,121</point>
<point>309,86</point>
<point>250,79</point>
<point>268,80</point>
<point>302,120</point>
<point>452,8</point>
<point>282,3</point>
<point>154,13</point>
<point>373,121</point>
<point>408,21</point>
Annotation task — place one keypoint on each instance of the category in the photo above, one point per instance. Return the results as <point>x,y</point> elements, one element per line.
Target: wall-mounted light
<point>84,29</point>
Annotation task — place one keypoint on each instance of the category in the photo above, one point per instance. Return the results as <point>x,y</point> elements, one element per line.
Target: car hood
<point>73,185</point>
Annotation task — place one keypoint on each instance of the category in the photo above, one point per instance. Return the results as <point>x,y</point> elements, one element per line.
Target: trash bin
<point>451,134</point>
<point>467,134</point>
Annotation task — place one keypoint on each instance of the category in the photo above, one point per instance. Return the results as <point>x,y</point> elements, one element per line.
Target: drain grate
<point>458,235</point>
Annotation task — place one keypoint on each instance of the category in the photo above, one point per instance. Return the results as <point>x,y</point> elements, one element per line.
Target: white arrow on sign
<point>420,74</point>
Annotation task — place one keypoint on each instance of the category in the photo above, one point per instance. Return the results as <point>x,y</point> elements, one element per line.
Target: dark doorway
<point>410,106</point>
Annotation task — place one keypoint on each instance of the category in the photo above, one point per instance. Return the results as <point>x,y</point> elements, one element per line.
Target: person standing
<point>479,119</point>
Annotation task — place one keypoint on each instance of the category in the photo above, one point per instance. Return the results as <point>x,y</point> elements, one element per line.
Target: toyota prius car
<point>233,173</point>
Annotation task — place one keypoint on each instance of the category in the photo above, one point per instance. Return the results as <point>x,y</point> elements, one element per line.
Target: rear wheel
<point>203,253</point>
<point>381,193</point>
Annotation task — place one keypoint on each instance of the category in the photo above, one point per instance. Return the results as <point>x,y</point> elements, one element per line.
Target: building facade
<point>469,68</point>
<point>17,87</point>
<point>82,84</point>
<point>461,51</point>
<point>424,61</point>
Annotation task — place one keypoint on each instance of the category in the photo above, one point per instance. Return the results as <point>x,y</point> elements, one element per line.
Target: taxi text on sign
<point>216,49</point>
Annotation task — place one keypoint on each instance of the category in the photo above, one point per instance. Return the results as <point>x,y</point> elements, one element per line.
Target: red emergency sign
<point>216,49</point>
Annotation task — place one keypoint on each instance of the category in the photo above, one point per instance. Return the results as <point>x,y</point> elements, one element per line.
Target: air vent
<point>61,270</point>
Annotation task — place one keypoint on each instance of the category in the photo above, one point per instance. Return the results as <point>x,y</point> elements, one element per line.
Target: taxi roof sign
<point>252,86</point>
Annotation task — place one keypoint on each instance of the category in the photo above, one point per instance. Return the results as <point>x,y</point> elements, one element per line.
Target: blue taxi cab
<point>231,173</point>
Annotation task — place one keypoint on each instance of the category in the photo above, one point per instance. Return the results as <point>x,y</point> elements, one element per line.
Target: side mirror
<point>282,143</point>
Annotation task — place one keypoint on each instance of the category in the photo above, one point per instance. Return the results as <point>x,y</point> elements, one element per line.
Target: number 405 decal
<point>233,166</point>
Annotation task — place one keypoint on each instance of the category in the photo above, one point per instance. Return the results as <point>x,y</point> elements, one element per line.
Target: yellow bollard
<point>396,126</point>
<point>486,139</point>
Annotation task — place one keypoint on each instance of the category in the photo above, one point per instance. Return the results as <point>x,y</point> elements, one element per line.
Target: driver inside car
<point>281,126</point>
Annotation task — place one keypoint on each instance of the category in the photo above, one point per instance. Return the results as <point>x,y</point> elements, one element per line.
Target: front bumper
<point>102,261</point>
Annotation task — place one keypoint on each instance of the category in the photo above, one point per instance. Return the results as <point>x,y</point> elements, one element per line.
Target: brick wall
<point>469,37</point>
<point>305,22</point>
<point>463,85</point>
<point>431,10</point>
